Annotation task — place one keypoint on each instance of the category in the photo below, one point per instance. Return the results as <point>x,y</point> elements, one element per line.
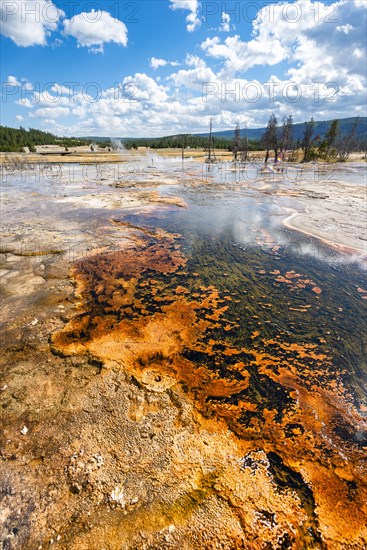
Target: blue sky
<point>150,68</point>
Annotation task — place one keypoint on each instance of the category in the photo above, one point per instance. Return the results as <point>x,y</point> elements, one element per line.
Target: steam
<point>117,144</point>
<point>162,163</point>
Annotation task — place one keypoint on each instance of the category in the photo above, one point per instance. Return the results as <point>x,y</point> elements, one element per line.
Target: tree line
<point>14,140</point>
<point>187,141</point>
<point>332,146</point>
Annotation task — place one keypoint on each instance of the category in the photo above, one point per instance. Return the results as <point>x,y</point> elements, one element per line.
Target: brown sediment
<point>274,395</point>
<point>155,198</point>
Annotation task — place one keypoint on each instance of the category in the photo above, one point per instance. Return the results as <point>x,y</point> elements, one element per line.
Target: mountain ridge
<point>320,129</point>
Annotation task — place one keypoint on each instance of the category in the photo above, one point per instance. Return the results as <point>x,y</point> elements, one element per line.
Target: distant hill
<point>254,134</point>
<point>321,128</point>
<point>223,139</point>
<point>12,139</point>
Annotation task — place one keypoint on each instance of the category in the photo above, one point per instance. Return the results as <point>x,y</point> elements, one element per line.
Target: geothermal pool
<point>186,277</point>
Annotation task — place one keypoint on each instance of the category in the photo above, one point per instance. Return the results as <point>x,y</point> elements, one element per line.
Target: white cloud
<point>46,98</point>
<point>60,89</point>
<point>358,53</point>
<point>194,78</point>
<point>307,36</point>
<point>241,56</point>
<point>23,85</point>
<point>12,81</point>
<point>29,22</point>
<point>141,88</point>
<point>19,118</point>
<point>344,28</point>
<point>24,102</point>
<point>156,62</point>
<point>51,112</point>
<point>194,61</point>
<point>226,21</point>
<point>311,53</point>
<point>192,19</point>
<point>141,106</point>
<point>94,29</point>
<point>317,42</point>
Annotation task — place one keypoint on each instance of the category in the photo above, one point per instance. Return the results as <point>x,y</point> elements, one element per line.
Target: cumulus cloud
<point>94,29</point>
<point>192,19</point>
<point>240,56</point>
<point>140,105</point>
<point>51,112</point>
<point>226,20</point>
<point>142,89</point>
<point>193,78</point>
<point>194,61</point>
<point>60,89</point>
<point>12,81</point>
<point>344,28</point>
<point>308,36</point>
<point>318,34</point>
<point>156,62</point>
<point>45,98</point>
<point>24,102</point>
<point>29,22</point>
<point>27,85</point>
<point>313,54</point>
<point>19,118</point>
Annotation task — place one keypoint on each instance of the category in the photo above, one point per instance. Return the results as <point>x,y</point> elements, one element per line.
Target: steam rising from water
<point>157,161</point>
<point>117,144</point>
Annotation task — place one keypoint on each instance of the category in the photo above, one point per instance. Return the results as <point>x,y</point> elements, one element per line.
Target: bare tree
<point>348,143</point>
<point>236,141</point>
<point>270,138</point>
<point>287,135</point>
<point>307,139</point>
<point>211,151</point>
<point>244,145</point>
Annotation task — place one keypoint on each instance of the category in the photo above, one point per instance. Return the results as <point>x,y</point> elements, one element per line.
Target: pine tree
<point>327,149</point>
